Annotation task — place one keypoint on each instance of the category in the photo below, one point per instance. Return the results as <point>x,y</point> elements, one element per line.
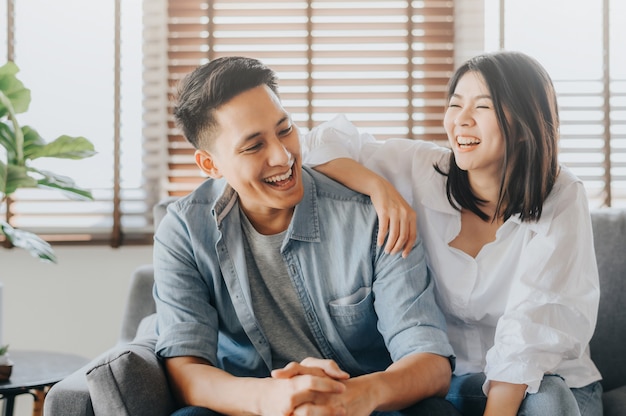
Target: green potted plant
<point>6,366</point>
<point>20,147</point>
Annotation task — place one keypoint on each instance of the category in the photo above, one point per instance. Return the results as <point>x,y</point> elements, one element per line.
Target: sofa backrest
<point>609,339</point>
<point>140,302</point>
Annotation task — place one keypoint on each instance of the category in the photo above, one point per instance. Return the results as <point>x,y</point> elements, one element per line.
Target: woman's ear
<point>206,163</point>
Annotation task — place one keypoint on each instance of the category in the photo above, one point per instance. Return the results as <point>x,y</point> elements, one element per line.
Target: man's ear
<point>206,163</point>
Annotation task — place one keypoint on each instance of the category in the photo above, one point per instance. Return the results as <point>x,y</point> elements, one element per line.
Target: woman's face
<point>472,127</point>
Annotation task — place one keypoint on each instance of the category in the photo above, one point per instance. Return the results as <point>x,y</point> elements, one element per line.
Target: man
<point>273,296</point>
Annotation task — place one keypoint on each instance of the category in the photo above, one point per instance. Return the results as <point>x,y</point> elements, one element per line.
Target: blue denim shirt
<point>365,308</point>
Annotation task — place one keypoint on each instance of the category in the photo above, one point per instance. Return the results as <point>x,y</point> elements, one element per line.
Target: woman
<point>507,233</point>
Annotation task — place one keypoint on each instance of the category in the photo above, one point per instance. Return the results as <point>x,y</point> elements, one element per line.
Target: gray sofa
<point>128,380</point>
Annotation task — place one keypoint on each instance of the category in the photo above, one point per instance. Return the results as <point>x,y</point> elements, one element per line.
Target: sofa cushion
<point>614,401</point>
<point>607,344</point>
<point>130,381</point>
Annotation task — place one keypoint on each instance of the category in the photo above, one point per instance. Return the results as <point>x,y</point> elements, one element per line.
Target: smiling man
<point>273,296</point>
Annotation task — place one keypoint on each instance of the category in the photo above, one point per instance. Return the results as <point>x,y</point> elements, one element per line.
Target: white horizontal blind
<point>593,137</point>
<point>589,72</point>
<point>617,148</point>
<point>384,63</point>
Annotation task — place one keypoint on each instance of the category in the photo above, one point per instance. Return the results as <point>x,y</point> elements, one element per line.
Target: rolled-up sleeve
<point>409,318</point>
<point>187,323</point>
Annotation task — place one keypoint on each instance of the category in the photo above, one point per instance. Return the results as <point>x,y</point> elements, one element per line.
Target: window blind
<point>385,64</point>
<point>589,73</point>
<point>84,82</point>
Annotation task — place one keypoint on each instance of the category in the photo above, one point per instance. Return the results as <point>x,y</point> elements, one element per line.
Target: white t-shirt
<point>527,304</point>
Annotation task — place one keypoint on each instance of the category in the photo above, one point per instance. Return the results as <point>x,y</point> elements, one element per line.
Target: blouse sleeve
<point>402,162</point>
<point>552,306</point>
<point>333,139</point>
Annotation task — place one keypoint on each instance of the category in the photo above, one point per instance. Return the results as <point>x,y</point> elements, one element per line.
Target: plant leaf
<point>4,173</point>
<point>33,142</point>
<point>18,95</point>
<point>17,177</point>
<point>7,140</point>
<point>63,184</point>
<point>63,147</point>
<point>30,242</point>
<point>4,167</point>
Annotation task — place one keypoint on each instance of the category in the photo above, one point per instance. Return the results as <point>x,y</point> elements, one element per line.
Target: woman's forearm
<point>504,399</point>
<point>353,175</point>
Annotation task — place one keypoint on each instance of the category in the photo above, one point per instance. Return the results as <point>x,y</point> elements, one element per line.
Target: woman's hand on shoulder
<point>397,219</point>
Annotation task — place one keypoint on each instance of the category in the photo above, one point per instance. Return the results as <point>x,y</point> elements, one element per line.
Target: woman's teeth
<point>467,141</point>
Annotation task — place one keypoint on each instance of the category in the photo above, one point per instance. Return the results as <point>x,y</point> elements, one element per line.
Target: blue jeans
<point>553,398</point>
<point>429,407</point>
<point>195,411</point>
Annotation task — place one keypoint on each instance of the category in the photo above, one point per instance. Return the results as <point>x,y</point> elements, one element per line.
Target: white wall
<point>74,306</point>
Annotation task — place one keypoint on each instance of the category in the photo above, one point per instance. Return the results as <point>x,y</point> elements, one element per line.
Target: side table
<point>34,372</point>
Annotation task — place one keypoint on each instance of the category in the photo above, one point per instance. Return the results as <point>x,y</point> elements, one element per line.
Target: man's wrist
<point>370,388</point>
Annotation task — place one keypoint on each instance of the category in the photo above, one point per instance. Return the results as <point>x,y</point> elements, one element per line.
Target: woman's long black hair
<point>526,108</point>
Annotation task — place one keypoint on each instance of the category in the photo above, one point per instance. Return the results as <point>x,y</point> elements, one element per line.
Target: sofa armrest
<point>130,381</point>
<point>70,396</point>
<point>126,380</point>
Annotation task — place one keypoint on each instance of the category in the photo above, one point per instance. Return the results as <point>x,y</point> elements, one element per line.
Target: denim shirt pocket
<point>355,318</point>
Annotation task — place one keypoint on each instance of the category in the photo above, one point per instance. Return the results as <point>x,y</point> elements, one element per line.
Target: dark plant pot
<point>5,371</point>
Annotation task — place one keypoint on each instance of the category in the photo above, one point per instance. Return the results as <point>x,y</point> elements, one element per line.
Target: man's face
<point>257,150</point>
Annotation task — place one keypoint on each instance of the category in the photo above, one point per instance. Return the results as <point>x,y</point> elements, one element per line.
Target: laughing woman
<point>507,232</point>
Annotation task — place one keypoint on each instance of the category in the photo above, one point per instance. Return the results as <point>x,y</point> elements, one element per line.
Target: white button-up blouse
<point>527,304</point>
